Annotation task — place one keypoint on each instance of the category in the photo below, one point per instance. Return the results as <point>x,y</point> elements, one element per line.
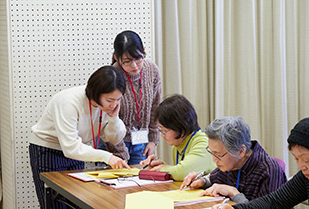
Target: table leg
<point>48,196</point>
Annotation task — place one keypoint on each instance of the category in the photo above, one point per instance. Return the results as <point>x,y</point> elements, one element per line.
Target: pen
<point>198,176</point>
<point>150,162</point>
<point>223,202</point>
<point>104,183</point>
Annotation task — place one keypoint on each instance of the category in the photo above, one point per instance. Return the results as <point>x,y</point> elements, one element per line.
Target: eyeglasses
<point>163,132</point>
<point>128,177</point>
<point>130,62</point>
<point>213,154</point>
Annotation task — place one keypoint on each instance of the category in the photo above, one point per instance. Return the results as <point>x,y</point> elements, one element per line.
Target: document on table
<point>185,197</point>
<point>128,182</point>
<point>104,174</point>
<point>145,199</point>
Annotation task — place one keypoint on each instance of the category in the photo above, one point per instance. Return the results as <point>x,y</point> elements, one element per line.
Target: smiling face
<point>301,155</point>
<point>108,101</point>
<point>170,136</point>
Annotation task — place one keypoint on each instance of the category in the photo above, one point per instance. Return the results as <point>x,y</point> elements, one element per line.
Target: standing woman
<point>143,95</point>
<point>71,120</point>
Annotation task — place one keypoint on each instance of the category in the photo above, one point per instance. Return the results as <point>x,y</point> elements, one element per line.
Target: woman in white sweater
<point>71,120</point>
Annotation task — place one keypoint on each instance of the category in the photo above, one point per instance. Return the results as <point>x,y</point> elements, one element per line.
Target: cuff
<point>207,183</point>
<point>240,198</point>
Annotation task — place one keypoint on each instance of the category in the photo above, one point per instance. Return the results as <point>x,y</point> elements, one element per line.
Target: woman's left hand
<point>149,149</point>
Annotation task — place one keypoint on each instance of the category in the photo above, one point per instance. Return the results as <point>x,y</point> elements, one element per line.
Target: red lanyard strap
<point>138,105</point>
<point>95,145</point>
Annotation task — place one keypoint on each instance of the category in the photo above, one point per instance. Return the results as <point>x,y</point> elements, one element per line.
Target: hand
<point>115,111</point>
<point>224,206</point>
<point>118,163</point>
<point>158,167</point>
<point>149,149</point>
<point>195,184</point>
<point>217,190</point>
<point>149,161</point>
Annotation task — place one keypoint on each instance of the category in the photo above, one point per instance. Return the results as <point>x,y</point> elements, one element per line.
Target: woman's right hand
<point>118,163</point>
<point>195,184</point>
<point>148,161</point>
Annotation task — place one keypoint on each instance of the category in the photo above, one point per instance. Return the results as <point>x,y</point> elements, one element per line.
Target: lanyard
<point>183,154</point>
<point>95,145</point>
<point>138,105</point>
<point>238,176</point>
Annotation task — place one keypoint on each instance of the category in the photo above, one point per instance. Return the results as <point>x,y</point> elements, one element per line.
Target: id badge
<point>139,136</point>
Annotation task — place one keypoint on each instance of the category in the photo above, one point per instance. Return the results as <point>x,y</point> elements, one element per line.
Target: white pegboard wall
<point>56,45</point>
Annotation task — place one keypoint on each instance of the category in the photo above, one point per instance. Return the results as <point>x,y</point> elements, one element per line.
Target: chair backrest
<point>281,163</point>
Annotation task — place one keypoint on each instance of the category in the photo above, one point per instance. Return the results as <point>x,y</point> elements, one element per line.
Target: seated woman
<point>294,191</point>
<point>244,170</point>
<point>177,121</point>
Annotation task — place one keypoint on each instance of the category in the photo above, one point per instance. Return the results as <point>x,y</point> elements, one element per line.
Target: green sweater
<point>196,157</point>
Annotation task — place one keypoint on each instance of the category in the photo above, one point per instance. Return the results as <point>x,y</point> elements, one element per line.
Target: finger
<point>126,165</point>
<point>155,163</point>
<point>142,162</point>
<point>203,193</point>
<point>182,186</point>
<point>145,151</point>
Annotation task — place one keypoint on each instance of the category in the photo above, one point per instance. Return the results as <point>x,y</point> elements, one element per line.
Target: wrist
<point>233,192</point>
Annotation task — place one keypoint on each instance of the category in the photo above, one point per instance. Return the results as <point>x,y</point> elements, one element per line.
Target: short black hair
<point>128,41</point>
<point>104,80</point>
<point>178,114</point>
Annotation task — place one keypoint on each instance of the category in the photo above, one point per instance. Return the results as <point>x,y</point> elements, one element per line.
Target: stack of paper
<point>104,174</point>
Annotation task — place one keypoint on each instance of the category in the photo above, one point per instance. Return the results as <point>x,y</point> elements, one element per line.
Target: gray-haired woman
<point>244,170</point>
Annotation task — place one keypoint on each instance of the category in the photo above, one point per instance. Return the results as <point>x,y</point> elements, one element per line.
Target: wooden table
<point>92,195</point>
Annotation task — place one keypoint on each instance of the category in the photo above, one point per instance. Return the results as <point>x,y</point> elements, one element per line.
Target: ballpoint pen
<point>223,202</point>
<point>198,176</point>
<point>149,163</point>
<point>104,183</point>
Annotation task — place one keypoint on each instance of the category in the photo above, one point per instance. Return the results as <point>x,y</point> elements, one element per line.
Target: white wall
<point>47,46</point>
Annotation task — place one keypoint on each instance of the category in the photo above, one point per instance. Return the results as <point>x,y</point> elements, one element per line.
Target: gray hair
<point>233,132</point>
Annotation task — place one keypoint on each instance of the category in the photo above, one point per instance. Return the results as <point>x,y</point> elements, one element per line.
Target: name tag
<point>139,136</point>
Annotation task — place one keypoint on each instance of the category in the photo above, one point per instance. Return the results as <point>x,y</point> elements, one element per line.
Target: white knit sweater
<point>65,125</point>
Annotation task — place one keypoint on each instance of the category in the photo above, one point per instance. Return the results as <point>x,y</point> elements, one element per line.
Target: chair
<point>281,163</point>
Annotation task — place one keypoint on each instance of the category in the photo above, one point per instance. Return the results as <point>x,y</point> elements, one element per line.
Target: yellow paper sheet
<point>113,173</point>
<point>184,195</point>
<point>145,199</point>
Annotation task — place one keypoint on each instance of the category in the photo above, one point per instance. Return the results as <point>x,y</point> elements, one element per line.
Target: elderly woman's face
<point>301,155</point>
<point>227,162</point>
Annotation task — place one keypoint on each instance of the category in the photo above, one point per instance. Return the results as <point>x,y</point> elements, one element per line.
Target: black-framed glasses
<point>213,154</point>
<point>163,132</point>
<point>129,62</point>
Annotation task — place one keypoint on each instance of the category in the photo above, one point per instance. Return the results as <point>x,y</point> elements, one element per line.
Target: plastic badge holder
<point>154,175</point>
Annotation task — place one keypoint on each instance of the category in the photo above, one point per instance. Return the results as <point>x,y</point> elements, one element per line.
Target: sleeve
<point>114,131</point>
<point>154,134</point>
<point>66,118</point>
<point>287,196</point>
<point>240,198</point>
<point>207,183</point>
<point>196,159</point>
